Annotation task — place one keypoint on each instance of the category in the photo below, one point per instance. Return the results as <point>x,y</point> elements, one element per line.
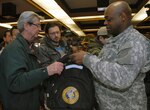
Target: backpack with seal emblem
<point>72,90</point>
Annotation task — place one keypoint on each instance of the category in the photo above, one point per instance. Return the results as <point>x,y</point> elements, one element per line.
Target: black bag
<point>72,90</point>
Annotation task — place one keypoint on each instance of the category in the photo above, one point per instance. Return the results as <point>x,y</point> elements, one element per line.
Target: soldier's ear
<point>123,16</point>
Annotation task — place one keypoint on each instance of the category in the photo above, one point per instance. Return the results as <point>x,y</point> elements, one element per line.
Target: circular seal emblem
<point>70,95</point>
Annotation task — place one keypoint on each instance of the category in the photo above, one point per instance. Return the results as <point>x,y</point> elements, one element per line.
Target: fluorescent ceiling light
<point>101,8</point>
<point>48,20</point>
<point>142,27</point>
<point>57,12</point>
<point>87,18</point>
<point>5,25</point>
<point>41,35</point>
<point>141,15</point>
<point>11,23</point>
<point>90,30</point>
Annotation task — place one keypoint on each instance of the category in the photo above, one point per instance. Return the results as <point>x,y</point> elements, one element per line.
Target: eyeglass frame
<point>37,25</point>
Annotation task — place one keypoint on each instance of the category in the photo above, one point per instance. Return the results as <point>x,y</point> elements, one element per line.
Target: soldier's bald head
<point>117,17</point>
<point>119,7</point>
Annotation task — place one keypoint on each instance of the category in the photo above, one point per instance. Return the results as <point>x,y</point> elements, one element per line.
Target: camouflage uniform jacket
<point>117,71</point>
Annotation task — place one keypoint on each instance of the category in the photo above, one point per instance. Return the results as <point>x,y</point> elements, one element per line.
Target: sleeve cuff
<point>86,60</point>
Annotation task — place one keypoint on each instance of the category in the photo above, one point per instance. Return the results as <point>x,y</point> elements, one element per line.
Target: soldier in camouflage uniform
<point>119,68</point>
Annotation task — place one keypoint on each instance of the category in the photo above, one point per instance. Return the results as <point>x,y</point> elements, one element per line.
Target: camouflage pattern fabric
<point>117,71</point>
<point>94,47</point>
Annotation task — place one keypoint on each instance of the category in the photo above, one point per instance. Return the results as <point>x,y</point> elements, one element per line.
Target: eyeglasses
<point>37,25</point>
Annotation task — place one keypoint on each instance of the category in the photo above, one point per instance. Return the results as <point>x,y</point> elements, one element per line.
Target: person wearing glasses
<point>52,46</point>
<point>20,75</point>
<point>120,68</point>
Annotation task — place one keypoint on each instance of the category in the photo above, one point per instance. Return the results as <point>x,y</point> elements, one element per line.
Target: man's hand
<point>55,68</point>
<point>78,57</point>
<point>74,48</point>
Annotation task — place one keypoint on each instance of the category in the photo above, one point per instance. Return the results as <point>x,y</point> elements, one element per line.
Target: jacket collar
<point>25,43</point>
<point>120,36</point>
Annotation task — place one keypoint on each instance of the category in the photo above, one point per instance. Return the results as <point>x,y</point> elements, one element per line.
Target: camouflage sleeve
<point>120,72</point>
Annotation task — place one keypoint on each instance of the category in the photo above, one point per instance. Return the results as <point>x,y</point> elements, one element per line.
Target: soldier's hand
<point>78,57</point>
<point>55,68</point>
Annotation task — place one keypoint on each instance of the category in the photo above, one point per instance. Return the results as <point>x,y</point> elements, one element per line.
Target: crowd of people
<point>118,64</point>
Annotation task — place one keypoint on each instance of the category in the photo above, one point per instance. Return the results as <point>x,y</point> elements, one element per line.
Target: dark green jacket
<point>20,77</point>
